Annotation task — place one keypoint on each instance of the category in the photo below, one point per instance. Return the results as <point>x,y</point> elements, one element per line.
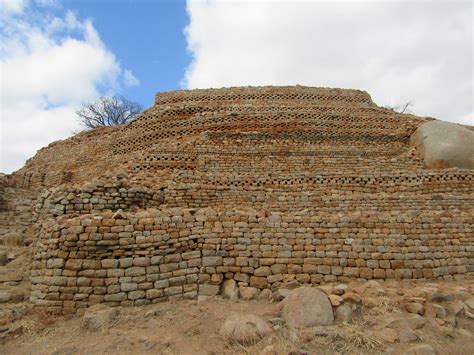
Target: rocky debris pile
<point>389,315</point>
<point>393,317</point>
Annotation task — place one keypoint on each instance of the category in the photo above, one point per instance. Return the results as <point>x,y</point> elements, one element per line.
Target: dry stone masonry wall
<point>143,257</point>
<point>266,186</point>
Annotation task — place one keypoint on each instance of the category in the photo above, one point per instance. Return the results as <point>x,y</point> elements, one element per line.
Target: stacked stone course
<point>266,186</point>
<point>99,197</point>
<point>143,257</point>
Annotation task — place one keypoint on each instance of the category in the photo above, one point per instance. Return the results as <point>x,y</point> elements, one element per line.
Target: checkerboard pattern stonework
<point>262,185</point>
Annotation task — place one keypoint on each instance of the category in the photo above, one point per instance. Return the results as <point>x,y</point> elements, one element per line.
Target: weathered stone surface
<point>245,329</point>
<point>407,336</point>
<point>115,297</point>
<point>456,308</point>
<point>99,317</point>
<point>335,300</point>
<point>265,295</point>
<point>445,145</point>
<point>209,290</point>
<point>470,303</point>
<point>230,290</point>
<point>412,321</point>
<point>11,239</point>
<point>307,307</point>
<point>280,294</point>
<point>344,313</point>
<point>212,261</point>
<point>414,307</point>
<point>388,335</point>
<point>258,282</point>
<point>263,271</point>
<point>421,349</point>
<point>3,257</point>
<point>5,296</point>
<point>109,263</point>
<point>351,297</point>
<point>248,293</point>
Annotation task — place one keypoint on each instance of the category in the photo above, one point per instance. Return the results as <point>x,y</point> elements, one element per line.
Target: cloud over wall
<point>50,64</point>
<point>398,51</point>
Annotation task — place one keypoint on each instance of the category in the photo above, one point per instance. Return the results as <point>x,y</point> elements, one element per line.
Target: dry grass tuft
<point>353,339</point>
<point>387,306</point>
<point>345,339</point>
<point>350,338</point>
<point>45,318</point>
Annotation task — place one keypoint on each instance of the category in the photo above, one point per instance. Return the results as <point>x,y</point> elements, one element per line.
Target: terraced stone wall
<point>430,190</point>
<point>331,127</point>
<point>263,185</point>
<point>144,257</point>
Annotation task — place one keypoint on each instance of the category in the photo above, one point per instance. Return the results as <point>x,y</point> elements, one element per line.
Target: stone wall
<point>441,190</point>
<point>310,122</point>
<point>263,185</point>
<point>155,255</point>
<point>99,196</point>
<point>17,212</point>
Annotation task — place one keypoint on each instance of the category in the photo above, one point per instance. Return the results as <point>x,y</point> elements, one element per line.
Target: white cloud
<point>9,7</point>
<point>397,51</point>
<point>129,78</point>
<point>49,66</point>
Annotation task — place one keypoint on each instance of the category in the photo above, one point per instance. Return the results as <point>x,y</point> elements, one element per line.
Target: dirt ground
<point>192,327</point>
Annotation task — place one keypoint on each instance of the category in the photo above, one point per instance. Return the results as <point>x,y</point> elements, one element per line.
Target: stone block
<point>141,261</point>
<point>135,271</point>
<point>169,267</point>
<point>128,287</point>
<point>212,261</point>
<point>116,297</point>
<point>109,263</point>
<point>263,271</point>
<point>209,290</point>
<point>191,255</point>
<point>177,281</point>
<point>135,295</point>
<point>73,264</point>
<point>161,284</point>
<point>154,293</point>
<point>258,282</point>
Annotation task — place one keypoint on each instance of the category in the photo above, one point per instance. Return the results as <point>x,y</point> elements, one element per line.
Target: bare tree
<point>108,111</point>
<point>405,108</point>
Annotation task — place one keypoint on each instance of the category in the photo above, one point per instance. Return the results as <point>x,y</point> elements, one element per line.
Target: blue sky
<point>146,36</point>
<point>55,55</point>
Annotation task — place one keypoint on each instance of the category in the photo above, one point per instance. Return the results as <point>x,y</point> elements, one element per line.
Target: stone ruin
<point>266,186</point>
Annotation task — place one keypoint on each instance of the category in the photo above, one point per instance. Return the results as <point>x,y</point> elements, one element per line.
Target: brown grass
<point>44,318</point>
<point>387,306</point>
<point>345,339</point>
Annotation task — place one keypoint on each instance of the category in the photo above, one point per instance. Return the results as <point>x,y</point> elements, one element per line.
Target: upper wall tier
<point>259,130</point>
<point>262,94</point>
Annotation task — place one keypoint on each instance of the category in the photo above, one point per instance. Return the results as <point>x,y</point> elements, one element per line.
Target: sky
<point>56,55</point>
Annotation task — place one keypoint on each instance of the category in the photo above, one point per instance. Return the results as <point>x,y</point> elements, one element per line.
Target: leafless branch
<point>405,108</point>
<point>108,111</point>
